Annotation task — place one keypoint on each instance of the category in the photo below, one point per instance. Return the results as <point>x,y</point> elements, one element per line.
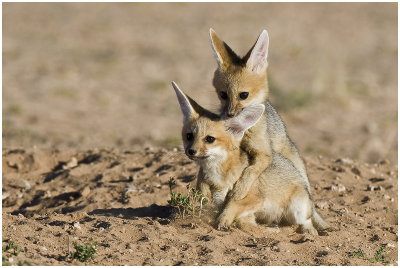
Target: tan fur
<point>278,193</point>
<point>233,77</point>
<point>236,79</point>
<point>279,184</point>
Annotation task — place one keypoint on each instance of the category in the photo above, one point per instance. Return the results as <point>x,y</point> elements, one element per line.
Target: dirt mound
<point>118,199</point>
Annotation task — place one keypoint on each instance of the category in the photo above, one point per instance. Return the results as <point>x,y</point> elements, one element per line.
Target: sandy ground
<point>119,200</point>
<point>90,123</point>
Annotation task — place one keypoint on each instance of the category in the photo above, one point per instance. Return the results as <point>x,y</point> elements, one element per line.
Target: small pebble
<point>131,188</point>
<point>86,191</point>
<point>374,188</point>
<point>338,169</point>
<point>384,162</point>
<point>322,204</point>
<point>365,199</point>
<point>5,195</point>
<point>374,238</point>
<point>356,171</point>
<point>27,184</point>
<point>338,188</point>
<point>72,163</point>
<point>77,226</point>
<point>344,160</point>
<point>275,248</point>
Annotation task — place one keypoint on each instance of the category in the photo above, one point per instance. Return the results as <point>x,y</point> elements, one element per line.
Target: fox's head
<point>205,135</point>
<point>240,81</point>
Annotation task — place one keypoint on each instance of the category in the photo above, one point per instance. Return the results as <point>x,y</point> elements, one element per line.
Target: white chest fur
<point>214,178</point>
<point>212,173</point>
<point>212,166</point>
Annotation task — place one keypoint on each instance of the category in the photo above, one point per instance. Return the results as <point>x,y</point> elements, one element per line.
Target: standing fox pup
<point>241,82</point>
<point>278,193</point>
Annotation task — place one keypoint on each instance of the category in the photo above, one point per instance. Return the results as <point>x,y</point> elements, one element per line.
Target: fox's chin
<point>197,158</point>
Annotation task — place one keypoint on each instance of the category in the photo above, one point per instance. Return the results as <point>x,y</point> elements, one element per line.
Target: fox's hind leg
<point>238,209</point>
<point>247,219</point>
<point>300,212</point>
<point>307,227</point>
<point>288,149</point>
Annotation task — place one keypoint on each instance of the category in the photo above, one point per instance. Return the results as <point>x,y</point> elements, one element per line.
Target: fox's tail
<point>319,223</point>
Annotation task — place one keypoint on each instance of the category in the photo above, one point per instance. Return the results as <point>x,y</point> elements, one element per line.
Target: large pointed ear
<point>245,120</point>
<point>222,52</point>
<point>186,108</point>
<point>257,56</point>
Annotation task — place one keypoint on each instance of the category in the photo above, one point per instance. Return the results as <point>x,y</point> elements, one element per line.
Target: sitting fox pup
<point>240,82</point>
<point>278,193</point>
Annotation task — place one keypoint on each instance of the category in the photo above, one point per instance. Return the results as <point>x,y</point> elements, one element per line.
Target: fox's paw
<point>307,229</point>
<point>224,222</point>
<point>311,231</point>
<point>329,228</point>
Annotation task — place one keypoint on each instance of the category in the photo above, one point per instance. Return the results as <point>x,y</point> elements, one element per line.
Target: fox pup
<point>214,143</point>
<point>241,82</point>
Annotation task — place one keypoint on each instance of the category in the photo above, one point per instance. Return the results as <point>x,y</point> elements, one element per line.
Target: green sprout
<point>84,252</point>
<point>187,204</point>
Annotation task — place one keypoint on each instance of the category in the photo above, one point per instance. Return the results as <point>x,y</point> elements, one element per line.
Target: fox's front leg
<point>202,186</point>
<point>258,163</point>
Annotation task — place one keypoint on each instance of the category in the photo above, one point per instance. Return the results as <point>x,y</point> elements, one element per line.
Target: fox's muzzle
<point>230,114</point>
<point>191,152</point>
<point>232,111</point>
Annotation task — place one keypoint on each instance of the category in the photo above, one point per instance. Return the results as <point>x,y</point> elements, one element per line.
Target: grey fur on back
<point>281,143</point>
<point>281,169</point>
<point>275,126</point>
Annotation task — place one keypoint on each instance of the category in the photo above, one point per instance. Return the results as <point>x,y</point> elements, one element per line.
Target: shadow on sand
<point>153,210</point>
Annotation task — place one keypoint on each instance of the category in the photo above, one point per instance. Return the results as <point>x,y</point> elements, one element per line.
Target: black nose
<point>230,115</point>
<point>191,152</point>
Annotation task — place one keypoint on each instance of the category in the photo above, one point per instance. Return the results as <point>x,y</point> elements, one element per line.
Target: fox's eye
<point>189,136</point>
<point>210,139</point>
<point>244,95</point>
<point>223,95</point>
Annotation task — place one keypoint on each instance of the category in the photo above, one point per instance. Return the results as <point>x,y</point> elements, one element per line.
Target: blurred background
<point>98,74</point>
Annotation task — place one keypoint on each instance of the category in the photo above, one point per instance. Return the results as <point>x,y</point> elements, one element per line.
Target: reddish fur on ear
<point>186,107</point>
<point>224,55</point>
<point>189,107</point>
